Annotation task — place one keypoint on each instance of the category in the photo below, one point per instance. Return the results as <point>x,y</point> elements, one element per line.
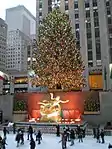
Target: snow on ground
<point>52,142</point>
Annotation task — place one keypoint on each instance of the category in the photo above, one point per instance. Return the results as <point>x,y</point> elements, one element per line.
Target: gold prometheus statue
<point>50,109</point>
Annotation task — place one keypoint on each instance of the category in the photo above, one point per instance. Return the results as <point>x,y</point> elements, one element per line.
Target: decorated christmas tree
<point>58,62</point>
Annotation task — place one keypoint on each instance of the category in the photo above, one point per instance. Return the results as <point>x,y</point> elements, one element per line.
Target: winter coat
<point>18,137</point>
<point>102,134</point>
<point>72,135</point>
<point>30,130</point>
<point>39,135</point>
<point>32,144</point>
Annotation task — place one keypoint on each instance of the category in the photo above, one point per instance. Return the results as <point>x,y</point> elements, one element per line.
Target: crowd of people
<point>67,135</point>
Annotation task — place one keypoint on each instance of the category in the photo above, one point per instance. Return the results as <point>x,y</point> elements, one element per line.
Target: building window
<point>94,3</point>
<point>87,13</point>
<point>110,41</point>
<point>75,5</point>
<point>107,3</point>
<point>89,44</point>
<point>77,26</point>
<point>66,6</point>
<point>88,25</point>
<point>86,4</point>
<point>88,34</point>
<point>90,55</point>
<point>98,51</point>
<point>108,11</point>
<point>110,30</point>
<point>40,14</point>
<point>40,5</point>
<point>109,20</point>
<point>97,32</point>
<point>90,64</point>
<point>95,13</point>
<point>76,16</point>
<point>77,35</point>
<point>96,22</point>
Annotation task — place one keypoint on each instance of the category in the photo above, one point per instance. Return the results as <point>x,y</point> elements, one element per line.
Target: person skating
<point>94,132</point>
<point>58,130</point>
<point>80,136</point>
<point>5,131</point>
<point>98,135</point>
<point>32,144</point>
<point>18,137</point>
<point>0,142</point>
<point>72,137</point>
<point>4,143</point>
<point>64,140</point>
<point>38,136</point>
<point>22,136</point>
<point>68,133</point>
<point>30,132</point>
<point>102,136</point>
<point>14,128</point>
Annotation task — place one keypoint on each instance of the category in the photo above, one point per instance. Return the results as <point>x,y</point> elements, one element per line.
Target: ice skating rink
<point>52,142</point>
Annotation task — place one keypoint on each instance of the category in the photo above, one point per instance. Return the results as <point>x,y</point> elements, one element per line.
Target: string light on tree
<point>58,60</point>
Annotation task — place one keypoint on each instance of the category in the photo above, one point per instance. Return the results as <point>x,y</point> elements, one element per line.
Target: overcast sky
<point>29,4</point>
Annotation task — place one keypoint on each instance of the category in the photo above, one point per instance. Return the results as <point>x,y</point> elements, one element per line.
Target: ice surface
<point>52,142</point>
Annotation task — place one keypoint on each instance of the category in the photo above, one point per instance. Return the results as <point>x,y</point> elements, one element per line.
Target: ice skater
<point>5,131</point>
<point>4,143</point>
<point>98,135</point>
<point>94,132</point>
<point>22,136</point>
<point>102,136</point>
<point>58,130</point>
<point>32,143</point>
<point>18,137</point>
<point>80,136</point>
<point>39,137</point>
<point>30,132</point>
<point>72,137</point>
<point>64,140</point>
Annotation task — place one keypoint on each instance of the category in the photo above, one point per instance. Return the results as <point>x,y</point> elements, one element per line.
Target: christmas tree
<point>58,60</point>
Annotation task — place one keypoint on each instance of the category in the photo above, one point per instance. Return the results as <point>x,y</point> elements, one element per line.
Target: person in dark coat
<point>0,142</point>
<point>64,140</point>
<point>68,133</point>
<point>14,128</point>
<point>30,132</point>
<point>18,137</point>
<point>102,136</point>
<point>72,137</point>
<point>22,136</point>
<point>4,143</point>
<point>94,132</point>
<point>98,135</point>
<point>80,136</point>
<point>58,130</point>
<point>38,136</point>
<point>32,144</point>
<point>5,131</point>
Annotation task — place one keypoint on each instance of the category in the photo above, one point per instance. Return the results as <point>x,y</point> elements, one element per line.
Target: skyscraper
<point>91,21</point>
<point>3,44</point>
<point>21,18</point>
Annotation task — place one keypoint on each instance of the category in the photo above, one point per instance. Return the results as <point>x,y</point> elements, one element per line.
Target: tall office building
<point>17,51</point>
<point>91,21</point>
<point>3,43</point>
<point>20,18</point>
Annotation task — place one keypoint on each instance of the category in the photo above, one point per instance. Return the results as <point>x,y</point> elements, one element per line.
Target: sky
<point>29,4</point>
